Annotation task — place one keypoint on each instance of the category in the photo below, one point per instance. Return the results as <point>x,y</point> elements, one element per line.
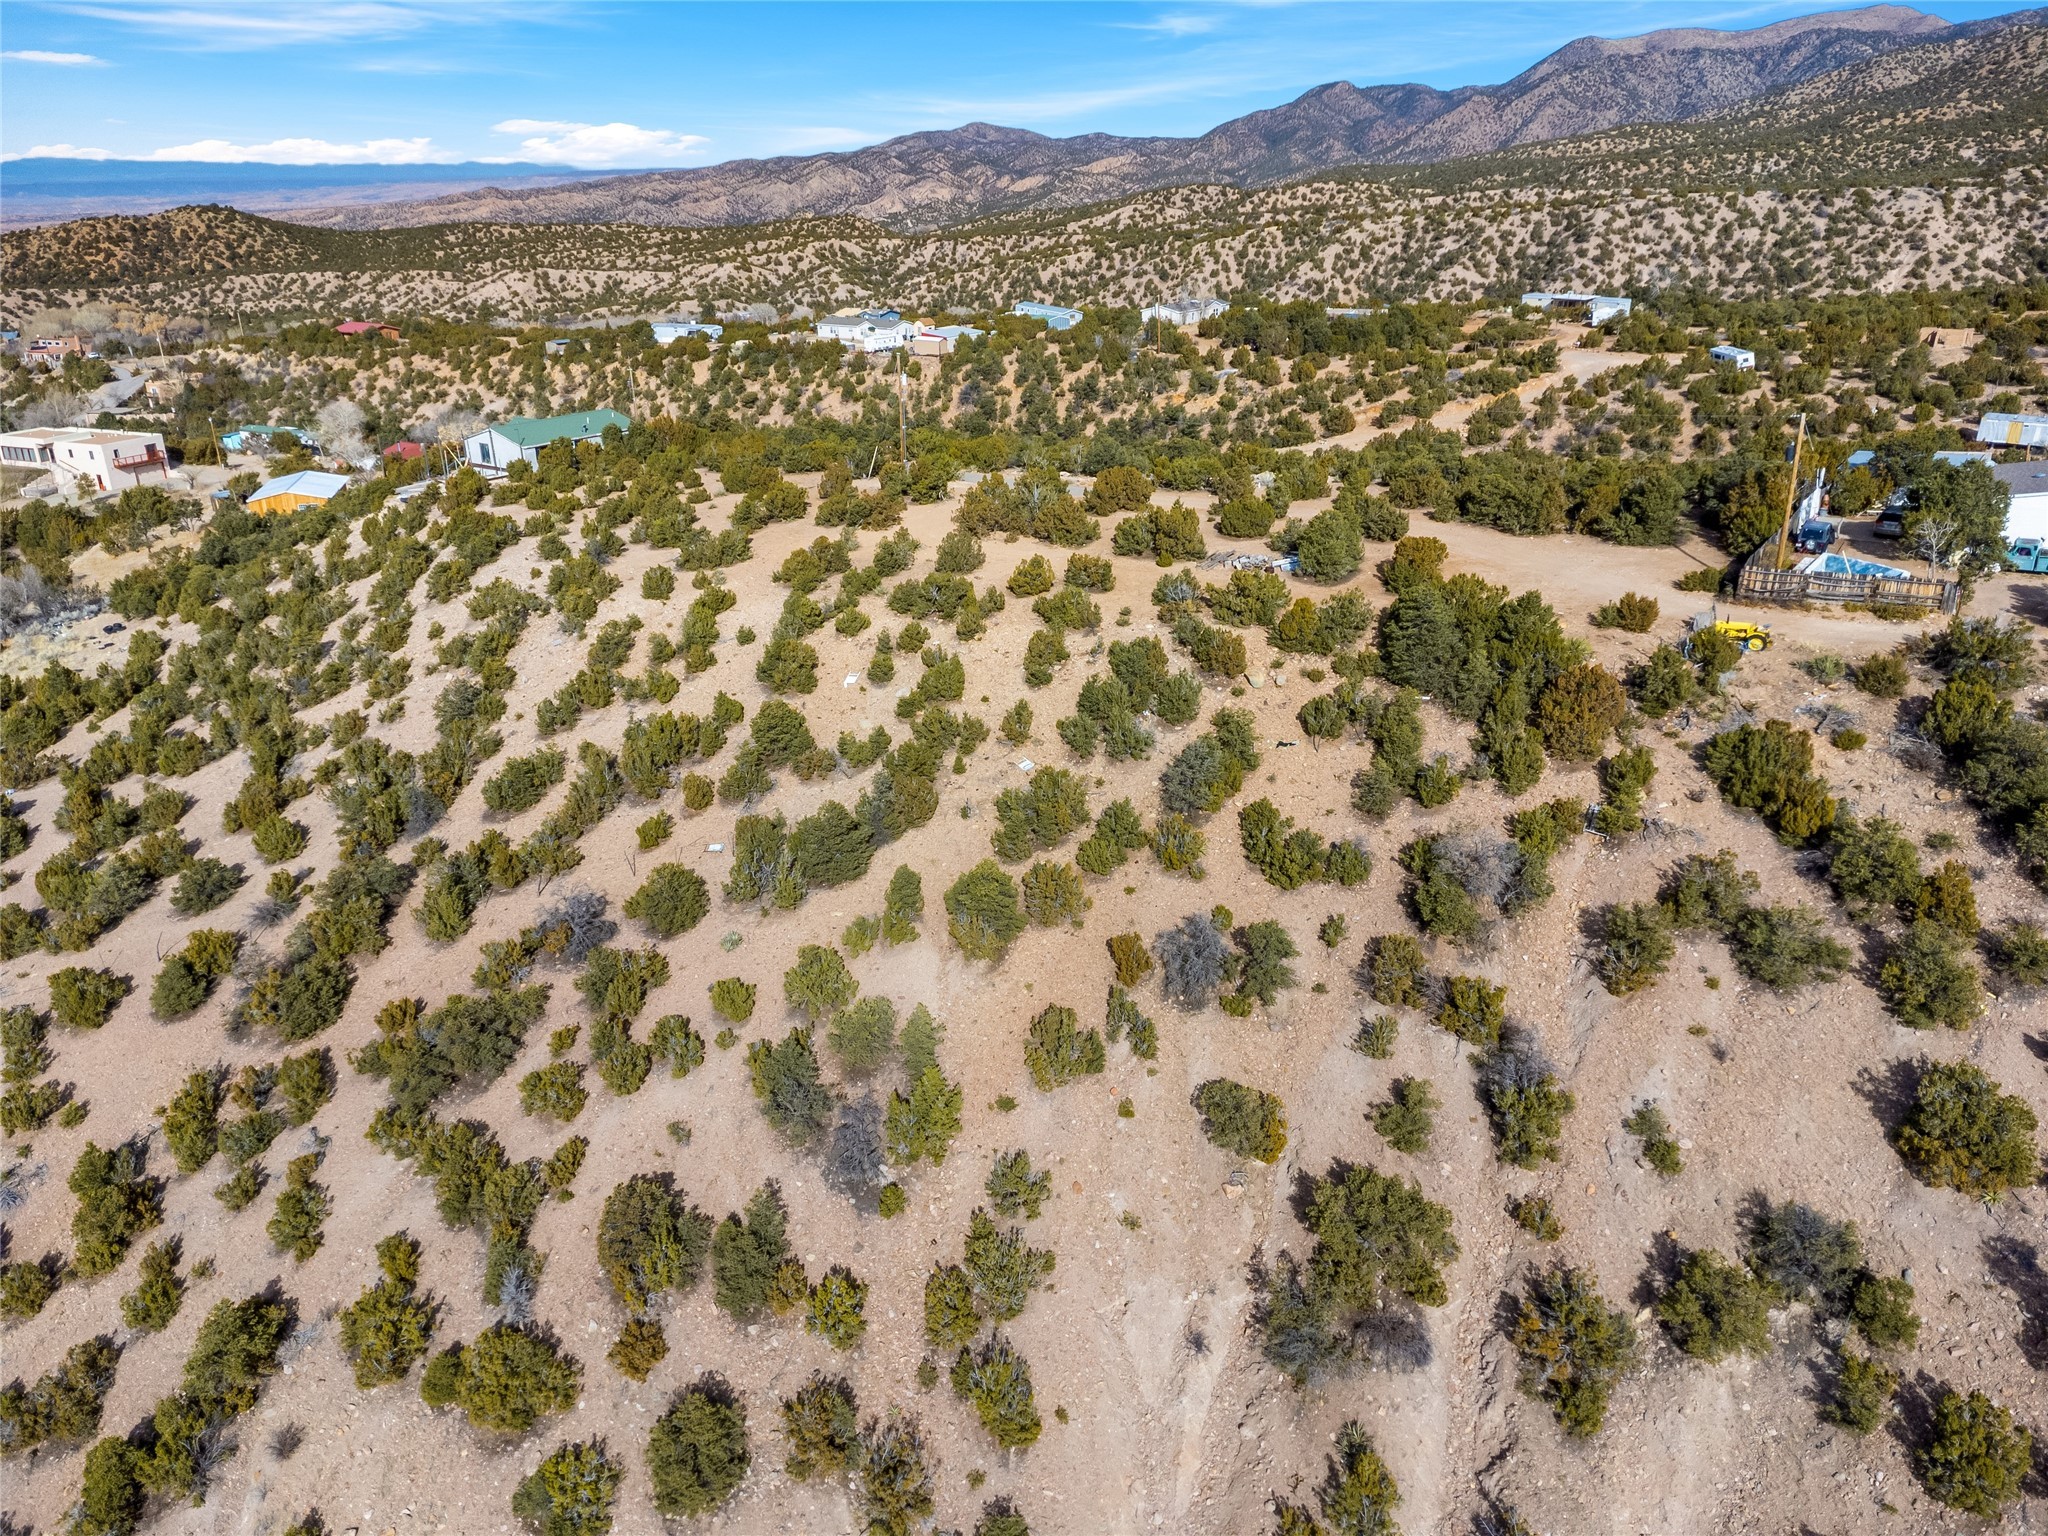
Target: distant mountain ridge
<point>934,179</point>
<point>44,189</point>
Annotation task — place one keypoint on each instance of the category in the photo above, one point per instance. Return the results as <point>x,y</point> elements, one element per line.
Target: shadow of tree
<point>2017,1266</point>
<point>1890,1091</point>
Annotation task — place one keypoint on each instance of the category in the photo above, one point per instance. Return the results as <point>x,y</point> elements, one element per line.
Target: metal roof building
<point>2012,430</point>
<point>288,493</point>
<point>523,437</point>
<point>1056,317</point>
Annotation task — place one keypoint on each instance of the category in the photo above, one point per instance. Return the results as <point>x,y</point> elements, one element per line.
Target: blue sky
<point>646,84</point>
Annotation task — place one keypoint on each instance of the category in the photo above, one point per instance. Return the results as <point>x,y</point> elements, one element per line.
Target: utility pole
<point>1791,498</point>
<point>902,411</point>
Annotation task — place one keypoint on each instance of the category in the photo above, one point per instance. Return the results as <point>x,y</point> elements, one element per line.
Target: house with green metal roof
<point>494,449</point>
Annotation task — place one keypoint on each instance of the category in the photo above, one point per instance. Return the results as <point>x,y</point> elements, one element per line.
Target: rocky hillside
<point>1971,105</point>
<point>927,180</point>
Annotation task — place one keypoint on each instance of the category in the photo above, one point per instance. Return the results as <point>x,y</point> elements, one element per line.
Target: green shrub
<point>1057,1050</point>
<point>204,885</point>
<point>697,1452</point>
<point>302,1207</point>
<point>1862,1394</point>
<point>159,1290</point>
<point>1927,983</point>
<point>1785,948</point>
<point>278,839</point>
<point>1948,898</point>
<point>1872,864</point>
<point>997,1381</point>
<point>640,1347</point>
<point>2020,952</point>
<point>1013,1189</point>
<point>1243,1120</point>
<point>1635,947</point>
<point>1964,1133</point>
<point>821,1423</point>
<point>1573,1346</point>
<point>1977,1459</point>
<point>572,1491</point>
<point>1473,1010</point>
<point>895,1483</point>
<point>1715,1309</point>
<point>82,998</point>
<point>1535,1215</point>
<point>117,1203</point>
<point>1524,1100</point>
<point>63,1407</point>
<point>982,911</point>
<point>1768,770</point>
<point>1881,1306</point>
<point>1578,711</point>
<point>671,901</point>
<point>650,1240</point>
<point>555,1091</point>
<point>922,1123</point>
<point>509,1379</point>
<point>305,1082</point>
<point>1377,1036</point>
<point>788,1085</point>
<point>835,1307</point>
<point>25,1288</point>
<point>1631,612</point>
<point>1660,1149</point>
<point>1039,816</point>
<point>1408,1118</point>
<point>746,1252</point>
<point>1883,676</point>
<point>1397,975</point>
<point>655,830</point>
<point>1032,577</point>
<point>1052,894</point>
<point>391,1324</point>
<point>733,999</point>
<point>1358,1495</point>
<point>819,983</point>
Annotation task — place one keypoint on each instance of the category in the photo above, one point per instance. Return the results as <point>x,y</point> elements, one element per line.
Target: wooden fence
<point>1759,583</point>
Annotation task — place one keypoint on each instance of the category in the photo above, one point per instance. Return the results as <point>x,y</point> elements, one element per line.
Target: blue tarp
<point>1844,565</point>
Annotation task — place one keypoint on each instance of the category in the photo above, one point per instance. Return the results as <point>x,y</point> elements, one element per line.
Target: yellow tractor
<point>1750,636</point>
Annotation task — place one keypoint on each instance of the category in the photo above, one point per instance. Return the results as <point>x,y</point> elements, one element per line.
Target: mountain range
<point>931,180</point>
<point>37,189</point>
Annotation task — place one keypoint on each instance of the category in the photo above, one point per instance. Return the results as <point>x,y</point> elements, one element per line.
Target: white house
<point>2027,516</point>
<point>112,461</point>
<point>668,332</point>
<point>870,330</point>
<point>1184,312</point>
<point>522,437</point>
<point>1742,358</point>
<point>1601,307</point>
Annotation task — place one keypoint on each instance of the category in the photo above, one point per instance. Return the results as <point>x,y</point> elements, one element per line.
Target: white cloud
<point>62,152</point>
<point>309,152</point>
<point>44,56</point>
<point>226,26</point>
<point>1173,25</point>
<point>596,144</point>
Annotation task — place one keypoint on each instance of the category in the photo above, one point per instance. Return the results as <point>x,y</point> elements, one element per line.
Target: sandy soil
<point>1172,1423</point>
